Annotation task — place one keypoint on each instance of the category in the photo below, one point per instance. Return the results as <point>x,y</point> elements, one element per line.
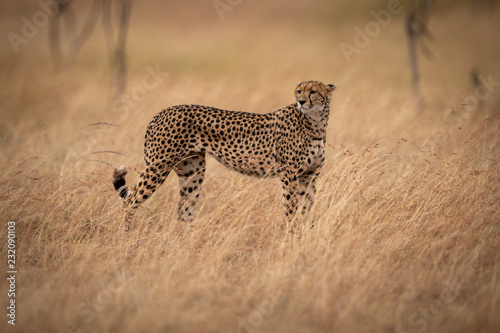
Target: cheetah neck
<point>317,122</point>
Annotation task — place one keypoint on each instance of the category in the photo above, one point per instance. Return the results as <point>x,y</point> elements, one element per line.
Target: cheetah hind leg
<point>191,172</point>
<point>150,179</point>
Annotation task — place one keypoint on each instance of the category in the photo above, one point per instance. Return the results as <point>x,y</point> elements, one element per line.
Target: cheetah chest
<point>315,155</point>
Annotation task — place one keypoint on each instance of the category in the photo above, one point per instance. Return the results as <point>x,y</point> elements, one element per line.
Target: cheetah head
<point>313,97</point>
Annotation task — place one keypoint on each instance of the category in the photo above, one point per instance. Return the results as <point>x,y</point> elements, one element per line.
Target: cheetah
<point>288,143</point>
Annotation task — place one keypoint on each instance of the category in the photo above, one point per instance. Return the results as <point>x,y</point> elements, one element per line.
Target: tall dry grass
<point>407,232</point>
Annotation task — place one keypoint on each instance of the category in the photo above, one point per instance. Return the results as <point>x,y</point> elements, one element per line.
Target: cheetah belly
<point>253,163</point>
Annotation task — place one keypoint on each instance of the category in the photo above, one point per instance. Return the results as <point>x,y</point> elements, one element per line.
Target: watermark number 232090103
<point>11,271</point>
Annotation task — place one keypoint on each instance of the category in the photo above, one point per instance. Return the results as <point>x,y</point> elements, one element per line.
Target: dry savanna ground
<point>407,219</point>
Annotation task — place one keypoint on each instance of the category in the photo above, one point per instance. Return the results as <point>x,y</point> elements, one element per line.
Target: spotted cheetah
<point>288,143</point>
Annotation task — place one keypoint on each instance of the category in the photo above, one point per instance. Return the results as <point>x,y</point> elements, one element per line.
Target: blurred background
<point>407,202</point>
<point>69,64</point>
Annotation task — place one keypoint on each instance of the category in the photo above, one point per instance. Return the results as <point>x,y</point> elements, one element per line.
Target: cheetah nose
<point>302,102</point>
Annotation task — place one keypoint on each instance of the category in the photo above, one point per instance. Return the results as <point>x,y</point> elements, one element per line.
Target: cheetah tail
<point>119,182</point>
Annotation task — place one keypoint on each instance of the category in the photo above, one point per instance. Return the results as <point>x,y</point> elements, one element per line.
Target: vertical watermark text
<point>11,271</point>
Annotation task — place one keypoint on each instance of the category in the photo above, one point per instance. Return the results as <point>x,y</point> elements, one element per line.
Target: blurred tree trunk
<point>87,29</point>
<point>417,19</point>
<point>116,49</point>
<point>62,11</point>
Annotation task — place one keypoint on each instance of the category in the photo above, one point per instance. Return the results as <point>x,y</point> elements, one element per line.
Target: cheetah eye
<point>313,92</point>
<point>299,91</point>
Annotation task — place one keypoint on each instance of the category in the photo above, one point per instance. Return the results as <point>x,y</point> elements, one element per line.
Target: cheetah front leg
<point>298,195</point>
<point>306,192</point>
<point>289,185</point>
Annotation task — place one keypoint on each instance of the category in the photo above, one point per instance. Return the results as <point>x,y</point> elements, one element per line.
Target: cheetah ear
<point>331,87</point>
<point>298,84</point>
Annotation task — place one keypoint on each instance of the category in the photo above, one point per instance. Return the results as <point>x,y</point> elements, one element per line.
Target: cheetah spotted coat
<point>288,143</point>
